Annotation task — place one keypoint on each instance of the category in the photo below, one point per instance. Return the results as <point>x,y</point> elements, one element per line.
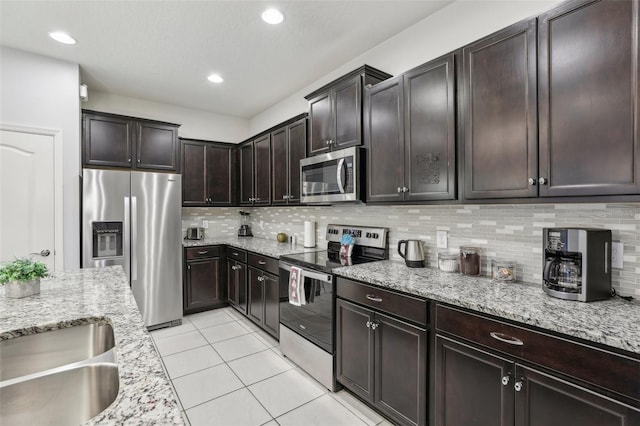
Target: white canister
<point>309,233</point>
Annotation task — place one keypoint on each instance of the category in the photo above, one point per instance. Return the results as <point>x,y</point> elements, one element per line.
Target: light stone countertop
<point>614,322</point>
<point>257,245</point>
<point>93,295</point>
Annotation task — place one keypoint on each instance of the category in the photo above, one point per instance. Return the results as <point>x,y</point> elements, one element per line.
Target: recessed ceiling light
<point>61,37</point>
<point>215,78</point>
<point>272,16</point>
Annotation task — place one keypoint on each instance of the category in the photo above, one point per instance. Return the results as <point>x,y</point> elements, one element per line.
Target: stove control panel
<point>363,236</point>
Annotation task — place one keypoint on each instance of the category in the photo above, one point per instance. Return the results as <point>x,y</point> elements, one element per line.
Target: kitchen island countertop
<point>614,322</point>
<point>91,295</point>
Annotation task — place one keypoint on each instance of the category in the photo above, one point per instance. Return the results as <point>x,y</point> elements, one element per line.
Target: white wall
<point>450,28</point>
<point>195,124</point>
<point>41,92</point>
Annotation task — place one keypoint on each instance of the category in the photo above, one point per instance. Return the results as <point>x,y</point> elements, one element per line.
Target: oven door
<point>332,177</point>
<point>315,320</point>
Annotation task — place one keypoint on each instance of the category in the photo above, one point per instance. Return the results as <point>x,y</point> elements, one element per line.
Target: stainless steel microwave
<point>332,178</point>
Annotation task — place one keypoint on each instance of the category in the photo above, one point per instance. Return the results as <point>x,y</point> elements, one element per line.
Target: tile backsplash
<point>512,232</point>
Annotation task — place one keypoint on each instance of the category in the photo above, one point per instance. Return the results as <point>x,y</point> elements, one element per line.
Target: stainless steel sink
<point>69,397</point>
<point>33,353</point>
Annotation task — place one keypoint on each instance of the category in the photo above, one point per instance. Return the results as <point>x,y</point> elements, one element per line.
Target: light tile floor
<point>227,372</point>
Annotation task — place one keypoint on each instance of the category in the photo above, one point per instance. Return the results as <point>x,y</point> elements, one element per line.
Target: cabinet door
<point>347,113</point>
<point>156,146</point>
<point>194,189</point>
<point>499,114</point>
<point>469,386</point>
<point>107,140</point>
<point>232,282</point>
<point>321,123</point>
<point>255,301</point>
<point>262,170</point>
<point>246,174</point>
<point>429,133</point>
<point>384,136</point>
<point>354,348</point>
<point>203,286</point>
<point>544,400</point>
<point>220,175</point>
<point>271,322</point>
<point>588,83</point>
<point>297,140</point>
<point>279,166</point>
<point>401,392</point>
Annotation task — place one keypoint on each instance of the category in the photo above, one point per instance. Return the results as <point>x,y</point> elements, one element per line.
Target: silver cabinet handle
<point>138,161</point>
<point>261,262</point>
<point>399,190</point>
<point>43,253</point>
<point>405,189</point>
<point>129,160</point>
<point>368,324</point>
<point>531,181</point>
<point>256,199</point>
<point>542,181</point>
<point>284,197</point>
<point>506,339</point>
<point>203,252</point>
<point>505,380</point>
<point>235,253</point>
<point>374,298</point>
<point>260,279</point>
<point>518,385</point>
<point>374,325</point>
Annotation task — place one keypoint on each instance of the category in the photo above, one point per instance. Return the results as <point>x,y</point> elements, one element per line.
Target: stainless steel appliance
<point>307,332</point>
<point>195,234</point>
<point>577,263</point>
<point>333,177</point>
<point>413,253</point>
<point>245,229</point>
<point>133,219</point>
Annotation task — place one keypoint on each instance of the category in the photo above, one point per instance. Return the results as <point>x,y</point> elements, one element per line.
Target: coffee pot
<point>413,254</point>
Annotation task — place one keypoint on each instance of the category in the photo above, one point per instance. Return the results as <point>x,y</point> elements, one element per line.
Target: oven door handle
<point>307,273</point>
<point>339,175</point>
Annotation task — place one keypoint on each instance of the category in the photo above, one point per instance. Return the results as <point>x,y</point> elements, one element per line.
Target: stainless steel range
<point>307,332</point>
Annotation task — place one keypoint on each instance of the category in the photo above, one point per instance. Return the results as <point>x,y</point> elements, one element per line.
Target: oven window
<point>323,179</point>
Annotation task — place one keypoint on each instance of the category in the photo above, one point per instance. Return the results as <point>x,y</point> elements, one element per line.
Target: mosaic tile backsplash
<point>512,232</point>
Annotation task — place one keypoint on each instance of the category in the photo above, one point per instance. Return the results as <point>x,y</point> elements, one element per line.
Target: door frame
<point>58,204</point>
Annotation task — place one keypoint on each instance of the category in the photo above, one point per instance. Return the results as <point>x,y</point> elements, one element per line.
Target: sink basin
<point>34,353</point>
<point>69,397</point>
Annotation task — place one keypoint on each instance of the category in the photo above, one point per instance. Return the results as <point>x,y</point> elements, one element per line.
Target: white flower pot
<point>20,289</point>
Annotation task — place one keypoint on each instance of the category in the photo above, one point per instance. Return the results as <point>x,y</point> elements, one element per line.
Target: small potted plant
<point>21,278</point>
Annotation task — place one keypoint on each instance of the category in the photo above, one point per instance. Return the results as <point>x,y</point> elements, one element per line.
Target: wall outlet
<point>442,239</point>
<point>205,224</point>
<point>617,252</point>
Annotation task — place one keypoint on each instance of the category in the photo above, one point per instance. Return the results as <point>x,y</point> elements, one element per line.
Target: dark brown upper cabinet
<point>208,173</point>
<point>262,184</point>
<point>410,135</point>
<point>335,111</point>
<point>110,140</point>
<point>588,99</point>
<point>246,173</point>
<point>498,114</point>
<point>288,147</point>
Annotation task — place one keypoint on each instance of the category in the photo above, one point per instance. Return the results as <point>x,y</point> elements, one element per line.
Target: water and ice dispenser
<point>107,239</point>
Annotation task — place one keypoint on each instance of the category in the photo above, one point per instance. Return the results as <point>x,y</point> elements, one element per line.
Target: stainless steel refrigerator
<point>133,219</point>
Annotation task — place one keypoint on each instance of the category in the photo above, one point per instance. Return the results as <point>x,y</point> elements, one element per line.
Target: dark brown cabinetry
<point>208,173</point>
<point>371,345</point>
<point>483,365</point>
<point>410,135</point>
<point>204,278</point>
<point>255,172</point>
<point>498,114</point>
<point>246,173</point>
<point>288,147</point>
<point>237,279</point>
<point>589,99</point>
<point>263,304</point>
<point>335,111</point>
<point>110,140</point>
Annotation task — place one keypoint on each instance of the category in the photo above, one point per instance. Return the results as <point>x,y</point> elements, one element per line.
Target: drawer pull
<point>203,252</point>
<point>235,253</point>
<point>374,298</point>
<point>506,339</point>
<point>262,262</point>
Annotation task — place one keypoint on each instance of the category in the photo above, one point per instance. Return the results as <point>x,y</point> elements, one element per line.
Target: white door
<point>27,220</point>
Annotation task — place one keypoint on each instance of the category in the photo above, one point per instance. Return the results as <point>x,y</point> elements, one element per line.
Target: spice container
<point>503,270</point>
<point>470,260</point>
<point>448,262</point>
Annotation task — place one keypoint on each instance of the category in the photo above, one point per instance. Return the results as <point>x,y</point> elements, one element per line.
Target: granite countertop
<point>258,245</point>
<point>614,322</point>
<point>92,295</point>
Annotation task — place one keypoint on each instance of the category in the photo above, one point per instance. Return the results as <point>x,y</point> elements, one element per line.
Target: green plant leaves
<point>23,269</point>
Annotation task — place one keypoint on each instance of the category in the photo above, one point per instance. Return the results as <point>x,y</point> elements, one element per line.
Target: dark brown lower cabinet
<point>237,285</point>
<point>476,387</point>
<point>383,360</point>
<point>203,287</point>
<point>263,304</point>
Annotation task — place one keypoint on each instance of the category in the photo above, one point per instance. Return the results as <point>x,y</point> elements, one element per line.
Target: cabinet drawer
<point>203,252</point>
<point>265,263</point>
<point>618,373</point>
<point>239,255</point>
<point>400,305</point>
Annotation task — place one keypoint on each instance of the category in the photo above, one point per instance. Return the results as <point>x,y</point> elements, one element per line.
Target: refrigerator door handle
<point>134,238</point>
<point>127,228</point>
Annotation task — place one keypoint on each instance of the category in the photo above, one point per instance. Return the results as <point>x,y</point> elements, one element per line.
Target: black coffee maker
<point>577,263</point>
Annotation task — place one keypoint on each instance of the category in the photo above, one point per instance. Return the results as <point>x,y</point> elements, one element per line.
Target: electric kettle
<point>413,254</point>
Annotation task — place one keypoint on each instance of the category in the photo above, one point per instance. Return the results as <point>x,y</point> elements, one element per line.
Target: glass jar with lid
<point>448,262</point>
<point>503,270</point>
<point>470,260</point>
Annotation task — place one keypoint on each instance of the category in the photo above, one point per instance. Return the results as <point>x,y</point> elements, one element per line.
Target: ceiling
<point>163,51</point>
